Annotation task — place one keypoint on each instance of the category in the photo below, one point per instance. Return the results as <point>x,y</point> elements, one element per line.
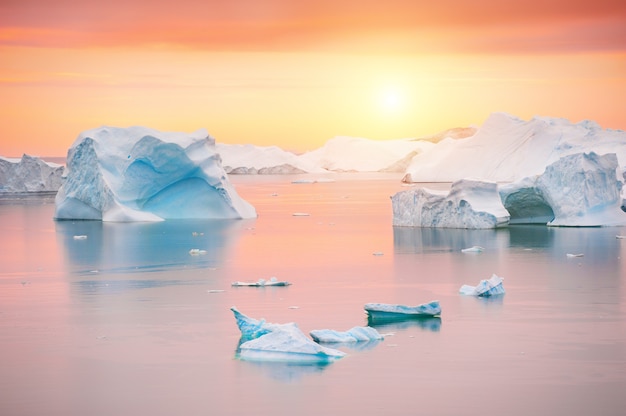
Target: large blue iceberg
<point>141,174</point>
<point>262,341</point>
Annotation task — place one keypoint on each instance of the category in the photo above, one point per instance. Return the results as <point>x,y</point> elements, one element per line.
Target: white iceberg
<point>487,287</point>
<point>384,312</point>
<point>470,204</point>
<point>355,334</point>
<point>507,149</point>
<point>582,189</point>
<point>29,174</point>
<point>263,283</point>
<point>141,174</point>
<point>280,343</point>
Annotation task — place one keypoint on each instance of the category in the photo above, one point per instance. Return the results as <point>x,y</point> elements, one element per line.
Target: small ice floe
<point>377,253</point>
<point>383,312</point>
<point>293,307</point>
<point>196,234</point>
<point>356,334</point>
<point>197,252</point>
<point>262,283</point>
<point>487,287</point>
<point>215,290</point>
<point>262,341</point>
<point>620,237</point>
<point>300,214</point>
<point>80,237</point>
<point>571,256</point>
<point>473,249</point>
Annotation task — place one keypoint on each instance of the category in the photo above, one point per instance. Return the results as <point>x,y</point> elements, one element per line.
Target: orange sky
<point>296,74</point>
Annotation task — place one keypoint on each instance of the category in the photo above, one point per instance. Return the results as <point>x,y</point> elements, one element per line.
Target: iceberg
<point>486,288</point>
<point>383,312</point>
<point>29,174</point>
<point>356,334</point>
<point>469,204</point>
<point>261,341</point>
<point>141,174</point>
<point>582,189</point>
<point>507,149</point>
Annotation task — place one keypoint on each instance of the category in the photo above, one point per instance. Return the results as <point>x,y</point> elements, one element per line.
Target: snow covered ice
<point>356,334</point>
<point>506,149</point>
<point>141,174</point>
<point>262,341</point>
<point>487,287</point>
<point>29,174</point>
<point>469,204</point>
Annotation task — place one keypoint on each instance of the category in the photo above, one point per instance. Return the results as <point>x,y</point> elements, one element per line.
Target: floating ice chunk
<point>300,214</point>
<point>262,283</point>
<point>378,253</point>
<point>280,342</point>
<point>80,237</point>
<point>356,334</point>
<point>486,287</point>
<point>620,237</point>
<point>382,312</point>
<point>473,249</point>
<point>570,255</point>
<point>196,252</point>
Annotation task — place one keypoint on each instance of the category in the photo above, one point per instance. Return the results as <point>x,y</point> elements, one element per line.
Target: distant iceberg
<point>469,204</point>
<point>248,159</point>
<point>356,154</point>
<point>356,334</point>
<point>29,174</point>
<point>273,281</point>
<point>487,287</point>
<point>384,312</point>
<point>141,174</point>
<point>262,341</point>
<point>582,189</point>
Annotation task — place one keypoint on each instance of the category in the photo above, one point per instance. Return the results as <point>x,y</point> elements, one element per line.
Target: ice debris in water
<point>486,287</point>
<point>262,283</point>
<point>473,249</point>
<point>262,341</point>
<point>570,255</point>
<point>385,312</point>
<point>356,334</point>
<point>80,237</point>
<point>196,252</point>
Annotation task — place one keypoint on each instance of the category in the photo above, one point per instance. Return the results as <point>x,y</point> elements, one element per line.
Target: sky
<point>298,73</point>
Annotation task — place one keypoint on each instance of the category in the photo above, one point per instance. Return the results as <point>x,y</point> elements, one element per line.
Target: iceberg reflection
<point>145,247</point>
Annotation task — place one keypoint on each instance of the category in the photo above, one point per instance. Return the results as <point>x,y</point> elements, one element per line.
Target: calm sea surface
<point>127,322</point>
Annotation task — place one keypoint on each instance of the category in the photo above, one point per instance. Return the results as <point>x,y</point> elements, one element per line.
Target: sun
<point>391,99</point>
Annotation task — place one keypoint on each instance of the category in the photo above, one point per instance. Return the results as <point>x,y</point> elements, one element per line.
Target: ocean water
<point>127,322</point>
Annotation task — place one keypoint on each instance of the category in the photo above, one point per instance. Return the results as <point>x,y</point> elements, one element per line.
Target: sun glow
<point>391,99</point>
